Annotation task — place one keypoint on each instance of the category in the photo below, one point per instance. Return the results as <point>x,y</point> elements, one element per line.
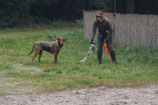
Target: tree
<point>20,12</point>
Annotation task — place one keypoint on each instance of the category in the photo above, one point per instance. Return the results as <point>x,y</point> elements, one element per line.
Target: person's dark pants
<point>101,42</point>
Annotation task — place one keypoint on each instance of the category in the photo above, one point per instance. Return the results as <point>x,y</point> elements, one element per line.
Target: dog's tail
<point>32,49</point>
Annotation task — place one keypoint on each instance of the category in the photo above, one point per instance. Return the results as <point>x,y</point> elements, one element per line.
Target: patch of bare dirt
<point>5,39</point>
<point>1,53</point>
<point>22,67</point>
<point>8,85</point>
<point>89,96</point>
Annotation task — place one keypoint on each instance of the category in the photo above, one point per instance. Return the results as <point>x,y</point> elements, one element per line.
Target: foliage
<point>26,12</point>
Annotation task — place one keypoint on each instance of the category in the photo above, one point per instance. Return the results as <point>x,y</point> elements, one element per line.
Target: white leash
<point>88,54</point>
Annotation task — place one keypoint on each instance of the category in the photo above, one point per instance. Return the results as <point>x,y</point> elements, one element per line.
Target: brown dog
<point>51,47</point>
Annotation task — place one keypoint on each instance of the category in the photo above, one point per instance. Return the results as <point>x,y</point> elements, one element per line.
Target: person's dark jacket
<point>104,28</point>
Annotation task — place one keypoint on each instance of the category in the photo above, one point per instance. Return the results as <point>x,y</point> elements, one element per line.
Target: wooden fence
<point>128,28</point>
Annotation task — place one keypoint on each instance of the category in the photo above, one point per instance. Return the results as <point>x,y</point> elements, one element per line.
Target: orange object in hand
<point>106,48</point>
<point>106,51</point>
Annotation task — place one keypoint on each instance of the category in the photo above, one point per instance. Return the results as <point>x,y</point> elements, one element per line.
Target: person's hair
<point>99,14</point>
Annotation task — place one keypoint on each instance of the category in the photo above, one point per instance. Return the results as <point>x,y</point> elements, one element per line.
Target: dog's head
<point>61,41</point>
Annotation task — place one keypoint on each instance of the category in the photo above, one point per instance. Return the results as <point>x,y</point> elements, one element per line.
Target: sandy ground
<point>89,96</point>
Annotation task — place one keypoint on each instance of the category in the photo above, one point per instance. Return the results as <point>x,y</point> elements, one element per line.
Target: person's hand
<point>92,41</point>
<point>105,40</point>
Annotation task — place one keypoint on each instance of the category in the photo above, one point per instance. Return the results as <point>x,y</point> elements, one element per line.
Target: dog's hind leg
<point>40,54</point>
<point>38,50</point>
<point>34,57</point>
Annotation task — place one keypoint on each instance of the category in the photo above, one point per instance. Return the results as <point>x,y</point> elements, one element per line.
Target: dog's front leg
<point>55,57</point>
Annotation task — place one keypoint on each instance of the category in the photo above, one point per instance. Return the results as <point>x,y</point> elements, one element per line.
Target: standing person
<point>104,35</point>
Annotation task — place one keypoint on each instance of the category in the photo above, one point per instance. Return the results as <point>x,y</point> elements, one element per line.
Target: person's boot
<point>113,57</point>
<point>99,57</point>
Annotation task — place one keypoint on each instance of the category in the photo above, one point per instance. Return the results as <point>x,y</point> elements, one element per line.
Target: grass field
<point>136,65</point>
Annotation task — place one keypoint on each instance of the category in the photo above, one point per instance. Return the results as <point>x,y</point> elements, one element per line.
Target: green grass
<point>136,65</point>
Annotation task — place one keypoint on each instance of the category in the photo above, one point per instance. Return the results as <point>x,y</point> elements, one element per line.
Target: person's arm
<point>109,31</point>
<point>94,31</point>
